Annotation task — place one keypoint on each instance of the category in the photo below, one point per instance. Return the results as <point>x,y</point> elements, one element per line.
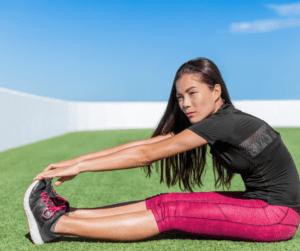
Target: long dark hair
<point>187,167</point>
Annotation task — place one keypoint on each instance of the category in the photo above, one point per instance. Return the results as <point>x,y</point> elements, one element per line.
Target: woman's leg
<point>116,209</point>
<point>223,215</point>
<point>125,227</point>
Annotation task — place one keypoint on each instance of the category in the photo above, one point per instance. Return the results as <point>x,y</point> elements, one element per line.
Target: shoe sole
<point>33,227</point>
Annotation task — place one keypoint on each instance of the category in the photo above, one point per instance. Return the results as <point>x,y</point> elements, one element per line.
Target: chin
<point>193,121</point>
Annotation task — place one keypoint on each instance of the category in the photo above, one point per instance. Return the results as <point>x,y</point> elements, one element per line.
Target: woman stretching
<point>199,112</point>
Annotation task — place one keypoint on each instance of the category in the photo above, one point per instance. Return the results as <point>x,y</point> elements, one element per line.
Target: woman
<point>199,112</point>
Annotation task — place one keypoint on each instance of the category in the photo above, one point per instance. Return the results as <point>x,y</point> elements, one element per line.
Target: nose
<point>186,104</point>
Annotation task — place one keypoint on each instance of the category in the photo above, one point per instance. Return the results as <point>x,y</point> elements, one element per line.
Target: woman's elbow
<point>145,156</point>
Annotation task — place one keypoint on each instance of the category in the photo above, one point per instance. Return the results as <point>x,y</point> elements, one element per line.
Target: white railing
<point>27,118</point>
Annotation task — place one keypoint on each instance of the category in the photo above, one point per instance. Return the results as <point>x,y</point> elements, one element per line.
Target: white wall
<point>114,115</point>
<point>277,113</point>
<point>29,118</point>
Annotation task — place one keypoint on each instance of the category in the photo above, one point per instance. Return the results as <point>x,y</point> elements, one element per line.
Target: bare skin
<point>116,209</point>
<point>121,222</point>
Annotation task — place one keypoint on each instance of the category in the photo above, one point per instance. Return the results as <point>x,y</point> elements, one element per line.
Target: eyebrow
<point>187,90</point>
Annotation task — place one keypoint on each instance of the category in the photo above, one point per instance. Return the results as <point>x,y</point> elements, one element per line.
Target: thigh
<point>192,197</point>
<point>223,215</point>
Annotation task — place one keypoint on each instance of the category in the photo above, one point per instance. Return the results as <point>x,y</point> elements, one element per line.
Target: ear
<point>217,91</point>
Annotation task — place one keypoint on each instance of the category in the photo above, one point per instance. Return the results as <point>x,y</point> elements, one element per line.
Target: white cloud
<point>285,9</point>
<point>260,26</point>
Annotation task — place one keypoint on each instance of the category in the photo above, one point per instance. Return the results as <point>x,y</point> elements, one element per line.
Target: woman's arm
<point>89,156</point>
<point>102,153</point>
<point>143,154</point>
<point>130,157</point>
<point>121,147</point>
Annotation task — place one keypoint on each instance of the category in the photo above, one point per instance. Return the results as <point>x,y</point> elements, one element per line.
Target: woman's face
<point>195,99</point>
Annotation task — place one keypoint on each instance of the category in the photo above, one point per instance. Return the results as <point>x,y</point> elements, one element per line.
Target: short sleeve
<point>217,127</point>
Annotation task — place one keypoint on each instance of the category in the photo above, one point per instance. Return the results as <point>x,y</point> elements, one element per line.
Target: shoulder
<point>217,127</point>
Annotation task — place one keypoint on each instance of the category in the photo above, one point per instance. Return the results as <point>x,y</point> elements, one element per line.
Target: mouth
<point>189,114</point>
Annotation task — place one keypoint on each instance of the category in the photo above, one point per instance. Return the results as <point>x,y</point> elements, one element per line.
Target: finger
<point>53,171</point>
<point>50,167</point>
<point>58,182</point>
<point>54,166</point>
<point>45,175</point>
<point>61,180</point>
<point>39,177</point>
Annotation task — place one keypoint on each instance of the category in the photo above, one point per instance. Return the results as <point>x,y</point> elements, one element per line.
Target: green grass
<point>20,165</point>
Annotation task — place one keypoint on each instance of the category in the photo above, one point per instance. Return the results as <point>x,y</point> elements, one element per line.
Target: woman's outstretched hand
<point>63,163</point>
<point>59,170</point>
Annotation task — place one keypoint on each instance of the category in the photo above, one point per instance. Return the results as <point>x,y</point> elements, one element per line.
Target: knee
<point>165,197</point>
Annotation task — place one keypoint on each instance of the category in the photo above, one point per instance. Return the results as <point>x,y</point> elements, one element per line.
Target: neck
<point>219,103</point>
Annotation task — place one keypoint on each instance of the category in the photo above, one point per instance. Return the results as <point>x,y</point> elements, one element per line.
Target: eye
<point>192,92</point>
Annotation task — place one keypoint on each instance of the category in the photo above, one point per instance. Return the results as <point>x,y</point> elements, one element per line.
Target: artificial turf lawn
<point>20,165</point>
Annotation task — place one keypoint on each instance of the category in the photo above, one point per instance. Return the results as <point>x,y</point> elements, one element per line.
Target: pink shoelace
<point>50,206</point>
<point>63,201</point>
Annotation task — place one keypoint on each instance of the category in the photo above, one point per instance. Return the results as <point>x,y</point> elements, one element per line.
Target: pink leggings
<point>223,215</point>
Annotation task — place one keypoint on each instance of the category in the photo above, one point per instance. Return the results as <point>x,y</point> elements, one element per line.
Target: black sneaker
<point>56,199</point>
<point>41,213</point>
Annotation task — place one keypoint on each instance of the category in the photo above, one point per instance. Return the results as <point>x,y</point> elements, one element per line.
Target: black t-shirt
<point>249,146</point>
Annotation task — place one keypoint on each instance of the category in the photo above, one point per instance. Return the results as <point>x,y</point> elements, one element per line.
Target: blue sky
<point>131,50</point>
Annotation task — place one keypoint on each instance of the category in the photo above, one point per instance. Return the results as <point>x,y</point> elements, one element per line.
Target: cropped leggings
<point>223,215</point>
